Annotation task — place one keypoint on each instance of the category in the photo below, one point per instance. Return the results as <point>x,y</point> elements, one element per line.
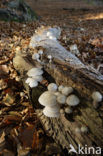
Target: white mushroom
<point>40,52</point>
<point>50,58</point>
<point>55,108</point>
<point>35,56</point>
<point>47,99</point>
<point>74,50</point>
<point>67,90</point>
<point>60,88</point>
<point>28,80</point>
<point>72,100</point>
<point>77,130</point>
<point>38,78</point>
<point>61,99</point>
<point>57,93</point>
<point>97,97</point>
<point>22,94</point>
<point>51,113</point>
<point>52,87</point>
<point>84,129</point>
<point>68,110</point>
<point>62,111</point>
<point>32,82</point>
<point>34,72</point>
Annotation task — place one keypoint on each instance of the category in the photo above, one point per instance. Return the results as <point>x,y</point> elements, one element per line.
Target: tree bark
<point>68,70</point>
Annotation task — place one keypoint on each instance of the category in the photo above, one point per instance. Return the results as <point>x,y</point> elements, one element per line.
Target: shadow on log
<point>68,70</point>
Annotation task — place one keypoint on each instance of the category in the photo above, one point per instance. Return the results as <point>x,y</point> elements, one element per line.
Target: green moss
<point>11,13</point>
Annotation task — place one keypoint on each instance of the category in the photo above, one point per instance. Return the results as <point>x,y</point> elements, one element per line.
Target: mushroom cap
<point>40,52</point>
<point>38,78</point>
<point>62,111</point>
<point>77,130</point>
<point>55,108</point>
<point>28,80</point>
<point>50,113</point>
<point>52,87</point>
<point>84,129</point>
<point>68,110</point>
<point>72,100</point>
<point>32,82</point>
<point>60,88</point>
<point>97,96</point>
<point>67,90</point>
<point>47,99</point>
<point>49,57</point>
<point>34,72</point>
<point>35,56</point>
<point>61,99</point>
<point>57,93</point>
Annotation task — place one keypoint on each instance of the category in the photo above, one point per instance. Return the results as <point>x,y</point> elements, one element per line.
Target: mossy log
<point>68,70</point>
<point>17,10</point>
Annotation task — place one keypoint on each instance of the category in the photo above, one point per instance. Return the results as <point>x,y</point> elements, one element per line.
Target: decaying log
<point>68,70</point>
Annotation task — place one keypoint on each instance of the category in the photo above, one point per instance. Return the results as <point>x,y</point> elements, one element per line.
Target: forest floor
<point>21,132</point>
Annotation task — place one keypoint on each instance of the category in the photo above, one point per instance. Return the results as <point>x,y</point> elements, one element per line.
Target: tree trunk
<point>68,70</point>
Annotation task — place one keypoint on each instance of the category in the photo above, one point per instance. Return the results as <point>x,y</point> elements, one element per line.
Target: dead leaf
<point>3,84</point>
<point>9,99</point>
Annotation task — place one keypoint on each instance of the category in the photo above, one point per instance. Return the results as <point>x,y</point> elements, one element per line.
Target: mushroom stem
<point>38,60</point>
<point>41,57</point>
<point>50,59</point>
<point>95,104</point>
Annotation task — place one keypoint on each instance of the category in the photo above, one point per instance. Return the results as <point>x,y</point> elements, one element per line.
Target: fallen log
<point>66,69</point>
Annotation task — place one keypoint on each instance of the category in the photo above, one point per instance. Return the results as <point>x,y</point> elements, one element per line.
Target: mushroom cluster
<point>49,100</point>
<point>82,129</point>
<point>34,76</point>
<point>57,97</point>
<point>38,56</point>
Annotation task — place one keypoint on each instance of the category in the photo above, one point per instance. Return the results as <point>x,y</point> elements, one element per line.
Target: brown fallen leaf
<point>6,152</point>
<point>9,99</point>
<point>4,71</point>
<point>10,119</point>
<point>3,84</point>
<point>44,82</point>
<point>23,151</point>
<point>2,141</point>
<point>2,138</point>
<point>7,59</point>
